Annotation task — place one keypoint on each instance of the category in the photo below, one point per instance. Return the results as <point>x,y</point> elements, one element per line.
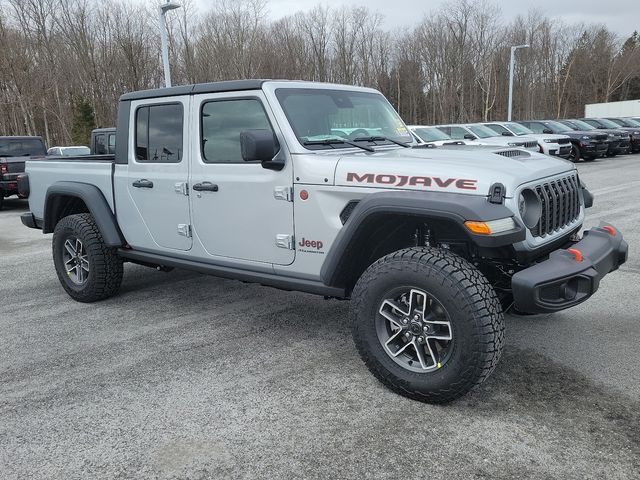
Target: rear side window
<point>101,148</point>
<point>223,121</point>
<point>159,133</point>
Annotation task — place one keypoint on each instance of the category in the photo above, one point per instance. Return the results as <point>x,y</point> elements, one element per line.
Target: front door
<point>240,209</point>
<point>158,171</point>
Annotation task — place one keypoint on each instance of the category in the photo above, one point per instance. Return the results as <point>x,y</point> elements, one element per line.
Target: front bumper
<point>565,279</point>
<point>593,149</point>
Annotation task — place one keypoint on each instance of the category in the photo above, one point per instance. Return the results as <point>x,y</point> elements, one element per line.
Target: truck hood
<point>460,169</point>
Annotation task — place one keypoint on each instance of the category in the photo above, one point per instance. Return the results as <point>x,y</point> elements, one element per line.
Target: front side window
<point>518,129</point>
<point>222,123</point>
<point>319,115</point>
<point>159,133</point>
<point>557,127</point>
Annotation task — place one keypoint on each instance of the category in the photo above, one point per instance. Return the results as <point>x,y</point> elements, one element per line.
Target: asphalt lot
<point>188,376</point>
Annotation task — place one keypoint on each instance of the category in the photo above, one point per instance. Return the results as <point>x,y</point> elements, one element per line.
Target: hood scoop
<point>513,153</point>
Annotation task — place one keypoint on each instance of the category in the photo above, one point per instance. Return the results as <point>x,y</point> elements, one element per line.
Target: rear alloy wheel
<point>87,269</point>
<point>427,324</point>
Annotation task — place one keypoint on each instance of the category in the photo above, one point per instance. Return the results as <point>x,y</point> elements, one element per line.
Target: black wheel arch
<point>68,198</point>
<point>359,243</point>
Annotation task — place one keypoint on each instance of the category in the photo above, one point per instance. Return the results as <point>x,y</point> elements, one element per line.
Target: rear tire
<point>457,357</point>
<point>87,269</point>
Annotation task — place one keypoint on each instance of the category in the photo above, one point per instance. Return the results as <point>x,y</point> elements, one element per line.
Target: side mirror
<point>546,130</point>
<point>261,145</point>
<point>507,134</point>
<point>468,136</point>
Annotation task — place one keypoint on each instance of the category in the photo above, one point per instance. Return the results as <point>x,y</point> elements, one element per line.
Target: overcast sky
<point>621,16</point>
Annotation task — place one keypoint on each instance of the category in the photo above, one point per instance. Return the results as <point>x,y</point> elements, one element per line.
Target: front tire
<point>87,269</point>
<point>427,324</point>
<point>574,156</point>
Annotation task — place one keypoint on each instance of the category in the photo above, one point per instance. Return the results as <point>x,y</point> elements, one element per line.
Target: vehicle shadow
<point>15,204</point>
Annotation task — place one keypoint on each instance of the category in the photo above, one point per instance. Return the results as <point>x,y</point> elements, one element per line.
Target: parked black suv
<point>585,145</point>
<point>14,151</point>
<point>619,140</point>
<point>633,127</point>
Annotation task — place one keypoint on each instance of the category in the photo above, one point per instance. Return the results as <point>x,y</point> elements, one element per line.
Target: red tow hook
<point>609,229</point>
<point>577,254</point>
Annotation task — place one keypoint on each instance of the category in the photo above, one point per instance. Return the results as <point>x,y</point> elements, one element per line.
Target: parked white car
<point>485,136</point>
<point>433,136</point>
<point>557,145</point>
<point>68,151</point>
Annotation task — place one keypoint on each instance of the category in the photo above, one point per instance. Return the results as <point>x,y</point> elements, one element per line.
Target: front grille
<point>563,141</point>
<point>530,144</point>
<point>560,205</point>
<point>601,138</point>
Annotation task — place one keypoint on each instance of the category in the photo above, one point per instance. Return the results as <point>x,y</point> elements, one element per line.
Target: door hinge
<point>181,188</point>
<point>184,229</point>
<point>283,193</point>
<point>284,240</point>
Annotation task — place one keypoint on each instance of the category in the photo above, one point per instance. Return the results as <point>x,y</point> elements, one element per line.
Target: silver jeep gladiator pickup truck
<point>320,188</point>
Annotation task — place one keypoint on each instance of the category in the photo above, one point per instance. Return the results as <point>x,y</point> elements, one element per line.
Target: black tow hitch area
<point>570,276</point>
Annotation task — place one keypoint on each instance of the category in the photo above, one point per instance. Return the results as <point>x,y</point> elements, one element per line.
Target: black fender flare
<point>95,202</point>
<point>452,207</point>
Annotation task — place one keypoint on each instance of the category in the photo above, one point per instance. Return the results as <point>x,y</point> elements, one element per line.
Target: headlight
<point>491,227</point>
<point>530,207</point>
<point>611,135</point>
<point>586,137</point>
<point>512,144</point>
<point>635,133</point>
<point>549,140</point>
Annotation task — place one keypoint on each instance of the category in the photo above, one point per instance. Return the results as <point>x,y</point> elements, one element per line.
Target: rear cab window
<point>22,147</point>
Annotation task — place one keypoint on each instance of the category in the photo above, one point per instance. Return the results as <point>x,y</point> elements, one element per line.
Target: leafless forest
<point>64,63</point>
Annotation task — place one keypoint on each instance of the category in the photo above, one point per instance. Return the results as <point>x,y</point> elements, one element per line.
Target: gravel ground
<point>188,376</point>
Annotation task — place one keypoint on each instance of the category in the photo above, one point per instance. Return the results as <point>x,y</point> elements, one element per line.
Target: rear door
<point>159,168</point>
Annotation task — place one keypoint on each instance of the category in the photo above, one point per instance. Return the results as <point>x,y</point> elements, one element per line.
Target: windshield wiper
<point>336,141</point>
<point>379,138</point>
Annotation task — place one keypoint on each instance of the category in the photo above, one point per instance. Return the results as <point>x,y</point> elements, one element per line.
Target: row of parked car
<point>573,139</point>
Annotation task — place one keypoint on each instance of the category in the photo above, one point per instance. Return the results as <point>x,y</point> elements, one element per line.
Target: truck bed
<point>92,169</point>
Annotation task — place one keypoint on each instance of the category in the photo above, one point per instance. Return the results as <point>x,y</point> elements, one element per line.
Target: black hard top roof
<point>103,129</point>
<point>214,87</point>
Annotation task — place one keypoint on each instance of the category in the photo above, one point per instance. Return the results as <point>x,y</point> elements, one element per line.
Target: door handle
<point>205,187</point>
<point>143,183</point>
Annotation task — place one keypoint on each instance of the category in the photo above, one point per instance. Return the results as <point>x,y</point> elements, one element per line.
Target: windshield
<point>431,134</point>
<point>481,131</point>
<point>518,129</point>
<point>71,151</point>
<point>558,127</point>
<point>580,125</point>
<point>21,147</point>
<point>607,123</point>
<point>323,114</point>
<point>625,122</point>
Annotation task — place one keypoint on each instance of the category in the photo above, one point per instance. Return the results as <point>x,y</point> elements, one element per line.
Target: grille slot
<point>560,200</point>
<point>530,144</point>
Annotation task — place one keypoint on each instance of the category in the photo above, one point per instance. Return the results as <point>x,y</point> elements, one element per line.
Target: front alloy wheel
<point>415,330</point>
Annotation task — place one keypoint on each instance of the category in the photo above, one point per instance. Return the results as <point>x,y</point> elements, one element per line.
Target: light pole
<point>164,42</point>
<point>511,64</point>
